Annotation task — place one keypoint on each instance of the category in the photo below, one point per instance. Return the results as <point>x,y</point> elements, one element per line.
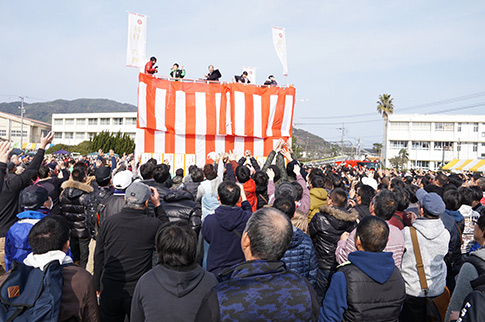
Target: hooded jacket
<point>172,294</point>
<point>16,242</point>
<point>250,191</point>
<point>433,241</point>
<point>368,288</point>
<point>325,230</point>
<point>318,198</point>
<point>300,257</point>
<point>179,206</point>
<point>223,231</point>
<point>76,201</point>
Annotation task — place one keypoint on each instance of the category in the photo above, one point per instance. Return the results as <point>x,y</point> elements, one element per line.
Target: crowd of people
<point>237,240</point>
<point>177,72</point>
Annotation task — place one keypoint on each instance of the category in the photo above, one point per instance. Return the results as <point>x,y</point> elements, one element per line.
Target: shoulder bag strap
<point>419,260</point>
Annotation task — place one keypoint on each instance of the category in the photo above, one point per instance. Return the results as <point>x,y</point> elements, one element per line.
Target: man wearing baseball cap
<point>124,249</point>
<point>433,240</point>
<point>36,204</point>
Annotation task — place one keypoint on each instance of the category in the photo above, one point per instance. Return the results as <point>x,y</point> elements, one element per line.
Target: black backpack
<point>30,294</point>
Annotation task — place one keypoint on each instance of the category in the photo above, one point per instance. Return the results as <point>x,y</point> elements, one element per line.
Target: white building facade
<point>431,139</point>
<point>11,129</point>
<point>74,128</point>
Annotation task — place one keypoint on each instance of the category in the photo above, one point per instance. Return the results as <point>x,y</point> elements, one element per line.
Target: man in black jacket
<point>77,206</point>
<point>179,205</point>
<point>124,250</point>
<point>52,183</point>
<point>12,186</point>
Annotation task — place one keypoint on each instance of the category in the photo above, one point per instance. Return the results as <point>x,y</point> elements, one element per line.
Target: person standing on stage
<point>149,68</point>
<point>175,72</point>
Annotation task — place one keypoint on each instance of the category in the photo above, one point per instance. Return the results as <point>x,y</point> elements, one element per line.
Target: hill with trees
<point>42,111</point>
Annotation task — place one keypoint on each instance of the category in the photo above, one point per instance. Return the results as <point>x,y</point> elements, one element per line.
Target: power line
<point>431,104</point>
<point>371,121</point>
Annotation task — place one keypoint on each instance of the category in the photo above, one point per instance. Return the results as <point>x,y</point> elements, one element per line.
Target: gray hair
<point>134,204</point>
<point>270,232</point>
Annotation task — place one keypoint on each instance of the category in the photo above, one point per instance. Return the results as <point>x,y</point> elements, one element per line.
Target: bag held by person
<point>435,307</point>
<point>30,294</point>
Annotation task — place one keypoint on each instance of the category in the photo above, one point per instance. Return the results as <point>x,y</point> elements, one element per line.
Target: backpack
<point>30,294</point>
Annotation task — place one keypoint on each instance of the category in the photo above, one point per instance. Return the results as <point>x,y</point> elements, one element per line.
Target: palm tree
<point>377,147</point>
<point>385,107</point>
<point>404,157</point>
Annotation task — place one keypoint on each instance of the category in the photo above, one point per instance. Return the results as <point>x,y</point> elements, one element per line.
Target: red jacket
<point>250,191</point>
<point>149,68</point>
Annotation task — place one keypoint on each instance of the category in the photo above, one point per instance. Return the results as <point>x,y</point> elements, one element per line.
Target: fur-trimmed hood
<point>340,214</point>
<point>77,185</point>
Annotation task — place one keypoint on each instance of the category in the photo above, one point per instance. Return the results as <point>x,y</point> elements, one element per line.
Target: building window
<point>475,127</point>
<point>58,121</point>
<point>80,135</point>
<point>104,121</point>
<point>459,127</point>
<point>92,121</point>
<point>400,126</point>
<point>421,126</point>
<point>91,135</point>
<point>130,121</point>
<point>440,126</point>
<point>482,156</point>
<point>483,134</point>
<point>81,122</point>
<point>418,145</point>
<point>131,135</point>
<point>475,147</point>
<point>421,164</point>
<point>3,133</point>
<point>117,121</point>
<point>69,135</point>
<point>439,146</point>
<point>458,146</point>
<point>399,144</point>
<point>15,133</point>
<point>58,135</point>
<point>69,121</point>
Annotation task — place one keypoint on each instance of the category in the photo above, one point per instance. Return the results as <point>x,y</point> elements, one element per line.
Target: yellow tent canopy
<point>465,165</point>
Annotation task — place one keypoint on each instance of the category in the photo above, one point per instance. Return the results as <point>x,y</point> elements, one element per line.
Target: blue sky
<point>341,54</point>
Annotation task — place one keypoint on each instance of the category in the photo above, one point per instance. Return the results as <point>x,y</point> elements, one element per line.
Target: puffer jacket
<point>77,207</point>
<point>325,229</point>
<point>180,206</point>
<point>300,257</point>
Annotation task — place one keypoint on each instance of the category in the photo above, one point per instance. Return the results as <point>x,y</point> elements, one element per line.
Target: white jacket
<point>433,241</point>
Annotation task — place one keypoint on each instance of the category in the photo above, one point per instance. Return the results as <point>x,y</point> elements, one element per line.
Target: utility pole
<point>358,146</point>
<point>342,138</point>
<point>22,111</point>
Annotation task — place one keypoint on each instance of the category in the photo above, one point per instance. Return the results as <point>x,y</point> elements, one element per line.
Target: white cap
<point>122,180</point>
<point>370,182</point>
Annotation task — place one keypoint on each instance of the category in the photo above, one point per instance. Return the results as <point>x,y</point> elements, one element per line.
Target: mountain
<point>313,146</point>
<point>43,111</point>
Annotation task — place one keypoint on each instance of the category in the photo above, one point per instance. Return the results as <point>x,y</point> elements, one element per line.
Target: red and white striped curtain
<point>199,118</point>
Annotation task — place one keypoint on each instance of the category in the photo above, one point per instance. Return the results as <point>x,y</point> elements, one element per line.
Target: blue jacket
<point>223,231</point>
<point>378,266</point>
<point>16,241</point>
<point>456,214</point>
<point>300,257</point>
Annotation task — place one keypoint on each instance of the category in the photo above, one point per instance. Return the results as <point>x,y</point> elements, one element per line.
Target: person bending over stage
<point>243,78</point>
<point>214,74</point>
<point>270,81</point>
<point>149,68</point>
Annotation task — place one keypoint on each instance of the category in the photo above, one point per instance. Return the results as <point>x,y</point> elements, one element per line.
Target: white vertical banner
<point>279,42</point>
<point>251,73</point>
<point>137,36</point>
